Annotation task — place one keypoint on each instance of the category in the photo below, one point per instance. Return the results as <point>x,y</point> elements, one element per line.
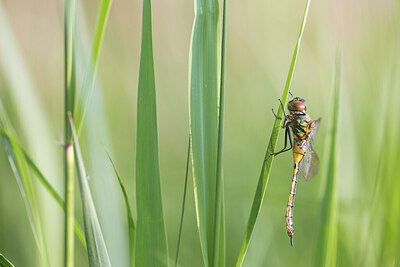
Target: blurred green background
<point>261,38</point>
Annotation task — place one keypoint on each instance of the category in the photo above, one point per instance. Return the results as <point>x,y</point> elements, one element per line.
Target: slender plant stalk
<point>266,167</point>
<point>219,224</point>
<point>183,205</point>
<point>70,84</point>
<point>69,207</point>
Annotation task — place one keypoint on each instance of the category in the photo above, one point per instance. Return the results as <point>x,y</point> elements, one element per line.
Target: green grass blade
<point>266,168</point>
<point>96,247</point>
<point>183,205</point>
<point>131,222</point>
<point>219,223</point>
<point>327,240</point>
<point>24,181</point>
<point>69,106</point>
<point>204,84</point>
<point>4,262</point>
<point>151,241</point>
<point>91,71</point>
<point>44,181</point>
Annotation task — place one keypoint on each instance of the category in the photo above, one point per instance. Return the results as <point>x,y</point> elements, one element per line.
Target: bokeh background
<point>261,39</point>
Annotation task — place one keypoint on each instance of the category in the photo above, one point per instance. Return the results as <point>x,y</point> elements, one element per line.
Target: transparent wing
<point>309,164</point>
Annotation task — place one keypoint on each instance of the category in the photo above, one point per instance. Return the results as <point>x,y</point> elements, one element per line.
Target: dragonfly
<point>300,131</point>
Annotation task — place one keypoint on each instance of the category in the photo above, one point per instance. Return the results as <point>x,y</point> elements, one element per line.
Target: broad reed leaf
<point>327,239</point>
<point>204,85</point>
<point>24,181</point>
<point>151,241</point>
<point>131,222</point>
<point>266,167</point>
<point>96,247</point>
<point>4,262</point>
<point>91,71</point>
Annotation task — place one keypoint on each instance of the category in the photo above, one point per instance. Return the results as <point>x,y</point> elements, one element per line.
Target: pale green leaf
<point>96,247</point>
<point>150,244</point>
<point>91,71</point>
<point>204,92</point>
<point>131,222</point>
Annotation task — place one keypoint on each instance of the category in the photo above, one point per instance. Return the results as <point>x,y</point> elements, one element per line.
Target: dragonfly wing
<point>313,165</point>
<point>314,130</point>
<point>309,164</point>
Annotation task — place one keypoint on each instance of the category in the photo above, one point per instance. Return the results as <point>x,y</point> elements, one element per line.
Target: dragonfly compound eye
<point>297,105</point>
<point>300,105</point>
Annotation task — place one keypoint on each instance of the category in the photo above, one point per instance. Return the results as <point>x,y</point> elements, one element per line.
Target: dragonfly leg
<point>288,135</point>
<point>276,116</point>
<point>284,114</point>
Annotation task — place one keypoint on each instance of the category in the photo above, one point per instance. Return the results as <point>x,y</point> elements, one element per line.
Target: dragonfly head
<point>297,104</point>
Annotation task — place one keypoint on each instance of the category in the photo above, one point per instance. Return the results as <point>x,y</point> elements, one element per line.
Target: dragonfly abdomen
<point>298,154</point>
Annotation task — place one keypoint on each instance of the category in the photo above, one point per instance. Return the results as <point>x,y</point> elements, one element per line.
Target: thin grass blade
<point>329,207</point>
<point>183,205</point>
<point>266,167</point>
<point>151,241</point>
<point>45,182</point>
<point>96,247</point>
<point>4,262</point>
<point>219,224</point>
<point>131,222</point>
<point>203,90</point>
<point>24,181</point>
<point>91,71</point>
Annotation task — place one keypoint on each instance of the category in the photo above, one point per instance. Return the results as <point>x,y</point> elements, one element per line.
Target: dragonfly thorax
<point>300,125</point>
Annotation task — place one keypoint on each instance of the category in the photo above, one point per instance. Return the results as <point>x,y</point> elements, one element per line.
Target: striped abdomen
<point>299,150</point>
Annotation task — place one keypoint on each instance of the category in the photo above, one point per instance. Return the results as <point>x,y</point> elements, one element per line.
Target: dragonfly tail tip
<point>291,241</point>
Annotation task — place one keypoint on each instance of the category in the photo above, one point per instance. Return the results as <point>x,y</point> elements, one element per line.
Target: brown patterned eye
<point>299,105</point>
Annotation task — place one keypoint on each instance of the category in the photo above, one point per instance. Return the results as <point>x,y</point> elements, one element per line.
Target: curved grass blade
<point>131,222</point>
<point>91,71</point>
<point>4,262</point>
<point>183,205</point>
<point>266,168</point>
<point>96,247</point>
<point>24,181</point>
<point>329,207</point>
<point>44,181</point>
<point>151,241</point>
<point>203,91</point>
